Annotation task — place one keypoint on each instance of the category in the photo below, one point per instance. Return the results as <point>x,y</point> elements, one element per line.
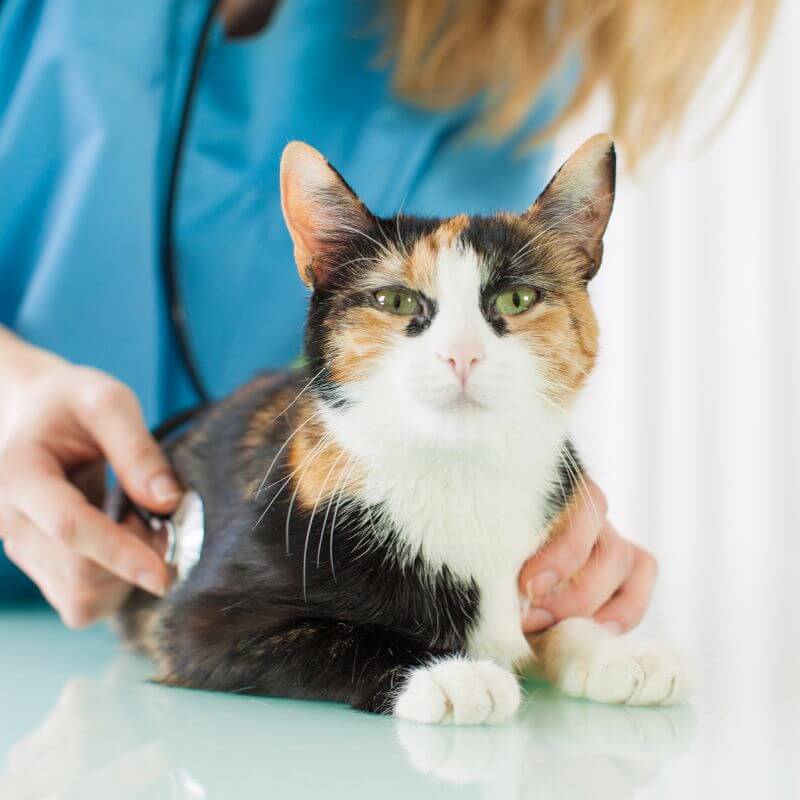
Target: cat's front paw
<point>619,671</point>
<point>459,691</point>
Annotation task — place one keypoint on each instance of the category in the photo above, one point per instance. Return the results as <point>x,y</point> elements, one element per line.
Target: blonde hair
<point>649,54</point>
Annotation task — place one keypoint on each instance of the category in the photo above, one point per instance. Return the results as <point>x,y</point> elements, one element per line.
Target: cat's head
<point>449,327</point>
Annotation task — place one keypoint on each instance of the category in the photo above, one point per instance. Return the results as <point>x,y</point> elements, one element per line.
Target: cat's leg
<point>459,690</point>
<point>301,659</point>
<point>329,660</point>
<point>585,660</point>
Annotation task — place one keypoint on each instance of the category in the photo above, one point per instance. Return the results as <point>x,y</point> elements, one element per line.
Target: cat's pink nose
<point>463,359</point>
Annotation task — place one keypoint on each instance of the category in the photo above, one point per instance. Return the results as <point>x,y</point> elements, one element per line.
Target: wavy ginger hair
<point>650,55</point>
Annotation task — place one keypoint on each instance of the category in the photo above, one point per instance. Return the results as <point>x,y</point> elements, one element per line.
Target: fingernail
<point>536,619</point>
<point>150,582</point>
<point>541,584</point>
<point>612,626</point>
<point>164,488</point>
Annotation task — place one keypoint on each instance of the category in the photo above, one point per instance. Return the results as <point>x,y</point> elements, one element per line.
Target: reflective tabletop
<point>80,720</point>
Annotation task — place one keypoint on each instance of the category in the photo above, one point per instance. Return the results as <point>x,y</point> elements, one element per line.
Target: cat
<point>366,517</point>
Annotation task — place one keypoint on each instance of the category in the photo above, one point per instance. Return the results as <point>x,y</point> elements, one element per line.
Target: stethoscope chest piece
<point>185,531</point>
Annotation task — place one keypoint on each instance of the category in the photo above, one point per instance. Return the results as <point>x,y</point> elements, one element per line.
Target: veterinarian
<point>144,263</point>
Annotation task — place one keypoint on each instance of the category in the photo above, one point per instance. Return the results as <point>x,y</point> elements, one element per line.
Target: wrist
<point>21,366</point>
<point>21,362</point>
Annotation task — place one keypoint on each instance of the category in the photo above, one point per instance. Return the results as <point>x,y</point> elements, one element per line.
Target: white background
<point>691,423</point>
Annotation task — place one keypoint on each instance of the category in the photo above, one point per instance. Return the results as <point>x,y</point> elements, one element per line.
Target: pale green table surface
<point>78,719</point>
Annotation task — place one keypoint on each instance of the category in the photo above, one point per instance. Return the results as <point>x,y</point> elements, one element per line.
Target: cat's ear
<point>320,210</point>
<point>578,200</point>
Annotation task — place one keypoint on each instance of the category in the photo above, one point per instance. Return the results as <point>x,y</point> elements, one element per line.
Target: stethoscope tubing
<point>169,251</point>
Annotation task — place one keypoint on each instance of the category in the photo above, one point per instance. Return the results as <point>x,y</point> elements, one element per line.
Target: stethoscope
<point>184,529</point>
<point>169,257</point>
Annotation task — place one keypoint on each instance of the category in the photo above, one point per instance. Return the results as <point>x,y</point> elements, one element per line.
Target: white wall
<point>692,420</point>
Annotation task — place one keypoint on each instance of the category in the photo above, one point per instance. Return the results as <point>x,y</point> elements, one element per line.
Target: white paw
<point>459,691</point>
<point>619,671</point>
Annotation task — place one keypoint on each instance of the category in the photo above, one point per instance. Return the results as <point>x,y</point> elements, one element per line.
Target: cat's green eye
<point>515,300</point>
<point>398,301</point>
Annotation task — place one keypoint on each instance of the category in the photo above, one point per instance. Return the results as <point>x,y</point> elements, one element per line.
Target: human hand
<point>56,420</point>
<point>587,570</point>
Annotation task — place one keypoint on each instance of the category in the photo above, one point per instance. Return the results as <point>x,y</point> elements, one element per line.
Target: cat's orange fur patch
<point>561,330</point>
<point>420,264</point>
<point>359,340</point>
<point>563,334</point>
<point>420,267</point>
<point>450,230</point>
<point>320,467</point>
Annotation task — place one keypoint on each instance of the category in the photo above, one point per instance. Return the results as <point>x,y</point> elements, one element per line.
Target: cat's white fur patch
<point>460,691</point>
<point>595,664</point>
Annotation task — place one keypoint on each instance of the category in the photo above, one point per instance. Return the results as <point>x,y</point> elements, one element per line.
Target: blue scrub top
<point>90,97</point>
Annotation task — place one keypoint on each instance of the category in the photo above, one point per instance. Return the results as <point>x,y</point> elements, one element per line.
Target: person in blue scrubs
<point>92,93</point>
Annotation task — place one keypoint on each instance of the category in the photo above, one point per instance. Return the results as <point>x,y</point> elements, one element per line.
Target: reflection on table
<point>118,735</point>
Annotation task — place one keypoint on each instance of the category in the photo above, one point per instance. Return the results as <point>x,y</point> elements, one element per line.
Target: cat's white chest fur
<point>479,513</point>
<point>481,524</point>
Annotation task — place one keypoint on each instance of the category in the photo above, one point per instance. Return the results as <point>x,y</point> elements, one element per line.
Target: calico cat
<point>366,517</point>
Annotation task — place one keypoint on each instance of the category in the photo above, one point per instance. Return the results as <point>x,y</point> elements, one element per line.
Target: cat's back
<point>224,449</point>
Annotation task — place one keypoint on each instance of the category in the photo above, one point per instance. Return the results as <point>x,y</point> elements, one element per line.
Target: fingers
<point>627,607</point>
<point>41,493</point>
<point>589,588</point>
<point>111,413</point>
<point>570,548</point>
<point>79,590</point>
<point>156,540</point>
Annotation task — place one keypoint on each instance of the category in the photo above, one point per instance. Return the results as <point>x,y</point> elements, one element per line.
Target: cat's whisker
<point>600,546</point>
<point>302,425</point>
<point>297,397</point>
<point>294,472</point>
<point>313,456</point>
<point>567,503</point>
<point>552,403</point>
<point>369,259</point>
<point>311,520</point>
<point>330,505</point>
<point>581,483</point>
<point>285,482</point>
<point>383,247</point>
<point>563,387</point>
<point>406,254</point>
<point>335,515</point>
<point>372,522</point>
<point>397,225</point>
<point>574,477</point>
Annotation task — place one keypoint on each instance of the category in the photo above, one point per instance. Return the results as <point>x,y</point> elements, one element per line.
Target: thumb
<point>110,412</point>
